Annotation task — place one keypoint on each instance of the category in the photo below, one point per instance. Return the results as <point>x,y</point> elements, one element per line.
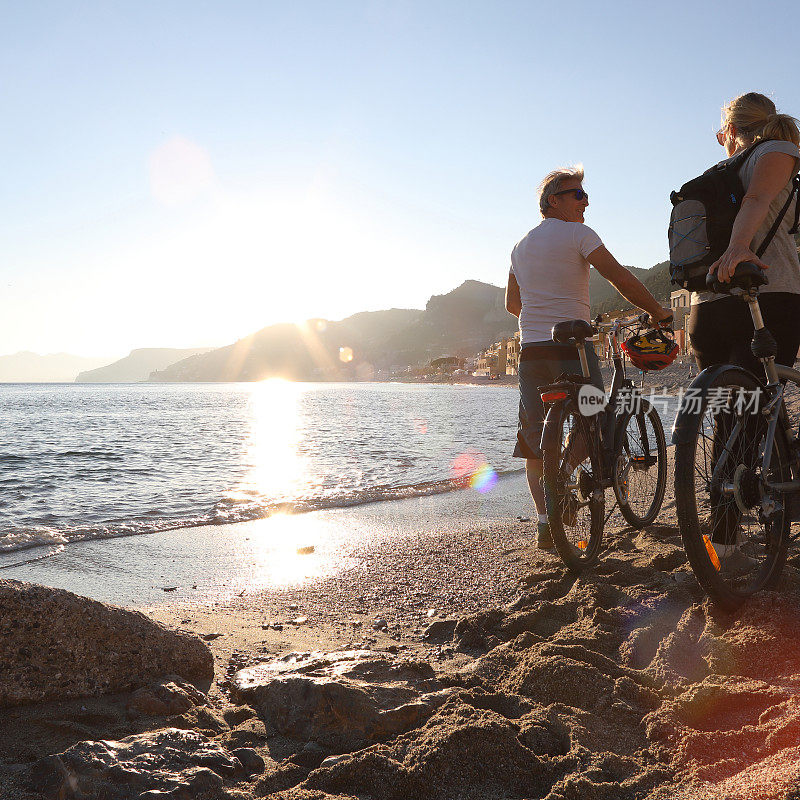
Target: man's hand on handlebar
<point>663,319</point>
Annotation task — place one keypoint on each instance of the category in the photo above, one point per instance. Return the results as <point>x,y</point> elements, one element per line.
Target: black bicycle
<point>589,445</point>
<point>737,464</point>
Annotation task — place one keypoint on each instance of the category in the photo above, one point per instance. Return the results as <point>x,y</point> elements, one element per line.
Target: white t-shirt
<point>553,275</point>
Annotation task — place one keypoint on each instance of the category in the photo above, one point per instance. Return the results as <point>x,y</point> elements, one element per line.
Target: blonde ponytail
<point>781,126</point>
<point>755,117</point>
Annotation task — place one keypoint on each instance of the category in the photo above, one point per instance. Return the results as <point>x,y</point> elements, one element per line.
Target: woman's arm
<point>773,171</point>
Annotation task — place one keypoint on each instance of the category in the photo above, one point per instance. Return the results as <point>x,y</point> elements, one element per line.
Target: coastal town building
<point>512,354</point>
<point>493,362</point>
<point>680,303</point>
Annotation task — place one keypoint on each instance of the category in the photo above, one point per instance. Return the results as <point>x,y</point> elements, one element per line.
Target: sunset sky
<point>185,173</point>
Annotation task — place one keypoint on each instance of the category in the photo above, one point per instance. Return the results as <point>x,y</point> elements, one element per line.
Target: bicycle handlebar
<point>644,320</point>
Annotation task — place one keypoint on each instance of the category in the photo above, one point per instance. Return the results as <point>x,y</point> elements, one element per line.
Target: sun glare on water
<point>285,551</point>
<point>276,466</point>
<point>282,549</point>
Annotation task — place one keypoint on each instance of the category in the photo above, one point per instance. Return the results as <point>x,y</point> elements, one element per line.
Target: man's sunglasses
<point>580,194</point>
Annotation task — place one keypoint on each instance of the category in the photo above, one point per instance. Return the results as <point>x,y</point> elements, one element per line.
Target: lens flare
<point>484,479</point>
<point>465,465</point>
<point>180,170</point>
<point>345,354</point>
<point>470,469</point>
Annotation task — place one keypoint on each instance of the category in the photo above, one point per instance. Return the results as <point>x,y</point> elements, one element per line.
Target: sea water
<point>92,461</point>
<point>83,461</point>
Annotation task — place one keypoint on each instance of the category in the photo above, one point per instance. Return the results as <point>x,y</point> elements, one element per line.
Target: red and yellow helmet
<point>650,351</point>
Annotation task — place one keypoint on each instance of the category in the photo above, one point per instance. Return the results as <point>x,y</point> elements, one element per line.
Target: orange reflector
<point>550,397</point>
<point>582,544</point>
<point>712,553</point>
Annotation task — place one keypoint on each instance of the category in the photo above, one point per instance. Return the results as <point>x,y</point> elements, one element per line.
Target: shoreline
<point>221,561</point>
<point>684,368</point>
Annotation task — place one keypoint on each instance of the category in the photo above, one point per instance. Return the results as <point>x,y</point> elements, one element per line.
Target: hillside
<point>27,367</point>
<point>460,322</point>
<point>606,298</point>
<point>137,365</point>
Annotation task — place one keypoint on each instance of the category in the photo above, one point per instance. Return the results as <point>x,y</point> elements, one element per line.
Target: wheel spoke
<point>640,467</point>
<point>720,483</point>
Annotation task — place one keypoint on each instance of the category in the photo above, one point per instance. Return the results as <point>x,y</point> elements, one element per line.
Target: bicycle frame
<point>777,375</point>
<point>607,418</point>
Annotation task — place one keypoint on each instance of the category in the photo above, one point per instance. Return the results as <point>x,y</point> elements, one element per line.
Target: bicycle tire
<point>639,484</point>
<point>709,516</point>
<point>576,495</point>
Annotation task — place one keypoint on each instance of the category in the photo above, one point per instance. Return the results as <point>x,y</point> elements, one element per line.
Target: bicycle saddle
<point>572,332</point>
<point>747,276</point>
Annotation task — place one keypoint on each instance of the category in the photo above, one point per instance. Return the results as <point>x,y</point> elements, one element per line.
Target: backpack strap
<point>796,227</point>
<point>735,162</point>
<point>775,225</point>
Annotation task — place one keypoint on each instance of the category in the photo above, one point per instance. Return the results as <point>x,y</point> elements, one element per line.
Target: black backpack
<point>703,211</point>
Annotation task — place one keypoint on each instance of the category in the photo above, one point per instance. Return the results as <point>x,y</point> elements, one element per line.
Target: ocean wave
<point>227,511</point>
<point>99,455</point>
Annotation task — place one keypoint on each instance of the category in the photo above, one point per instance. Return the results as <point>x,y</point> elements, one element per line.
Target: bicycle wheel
<point>734,528</point>
<point>640,465</point>
<point>573,491</point>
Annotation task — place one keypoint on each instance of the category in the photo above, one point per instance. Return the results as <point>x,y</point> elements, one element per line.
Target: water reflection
<point>275,466</point>
<point>285,550</point>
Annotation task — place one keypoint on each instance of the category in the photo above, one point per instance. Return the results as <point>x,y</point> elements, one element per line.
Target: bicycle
<point>621,447</point>
<point>737,464</point>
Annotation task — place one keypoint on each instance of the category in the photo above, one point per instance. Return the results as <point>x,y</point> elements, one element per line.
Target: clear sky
<point>185,173</point>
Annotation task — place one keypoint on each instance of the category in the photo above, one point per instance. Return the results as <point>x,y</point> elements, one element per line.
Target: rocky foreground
<point>620,684</point>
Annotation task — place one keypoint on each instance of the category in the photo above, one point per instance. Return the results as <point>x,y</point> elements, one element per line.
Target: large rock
<point>342,700</point>
<point>56,645</point>
<point>180,763</point>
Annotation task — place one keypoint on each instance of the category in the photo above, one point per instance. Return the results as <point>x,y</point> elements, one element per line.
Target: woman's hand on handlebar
<point>726,264</point>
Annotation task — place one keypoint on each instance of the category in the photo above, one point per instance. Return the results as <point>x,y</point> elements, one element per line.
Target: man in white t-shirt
<point>549,283</point>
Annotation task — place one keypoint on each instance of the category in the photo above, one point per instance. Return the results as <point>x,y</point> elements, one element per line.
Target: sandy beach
<point>624,683</point>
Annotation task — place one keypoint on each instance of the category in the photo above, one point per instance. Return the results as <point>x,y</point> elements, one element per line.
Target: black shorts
<point>720,331</point>
<point>539,371</point>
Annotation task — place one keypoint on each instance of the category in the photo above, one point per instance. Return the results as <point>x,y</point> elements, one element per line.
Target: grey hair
<point>551,183</point>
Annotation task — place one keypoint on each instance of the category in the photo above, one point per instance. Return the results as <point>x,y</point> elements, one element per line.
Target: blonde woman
<point>720,326</point>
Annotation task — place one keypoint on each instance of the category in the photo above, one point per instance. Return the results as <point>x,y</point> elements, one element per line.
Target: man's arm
<point>513,299</point>
<point>626,283</point>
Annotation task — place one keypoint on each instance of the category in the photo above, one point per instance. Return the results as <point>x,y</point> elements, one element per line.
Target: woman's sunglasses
<point>580,194</point>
